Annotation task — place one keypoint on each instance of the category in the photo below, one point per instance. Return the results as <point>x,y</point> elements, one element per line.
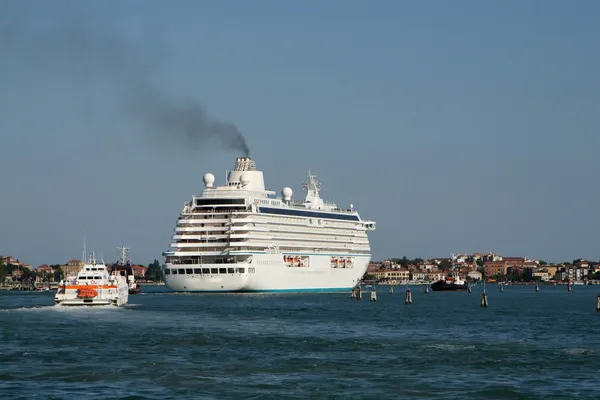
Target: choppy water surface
<point>249,346</point>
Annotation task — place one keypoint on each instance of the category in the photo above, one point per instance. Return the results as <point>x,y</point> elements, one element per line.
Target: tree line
<point>153,273</point>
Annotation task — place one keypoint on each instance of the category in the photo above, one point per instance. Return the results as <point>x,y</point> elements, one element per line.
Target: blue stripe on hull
<point>329,290</point>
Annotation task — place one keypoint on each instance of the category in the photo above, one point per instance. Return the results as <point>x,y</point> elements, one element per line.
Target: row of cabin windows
<point>81,278</point>
<point>215,202</point>
<point>207,260</point>
<point>204,271</point>
<point>220,211</point>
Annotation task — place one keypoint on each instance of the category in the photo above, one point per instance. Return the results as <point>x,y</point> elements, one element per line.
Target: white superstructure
<point>93,286</point>
<point>241,237</point>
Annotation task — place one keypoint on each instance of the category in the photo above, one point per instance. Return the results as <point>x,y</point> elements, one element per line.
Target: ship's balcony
<point>198,253</point>
<point>303,222</point>
<point>189,238</point>
<point>233,238</point>
<point>199,238</point>
<point>186,247</point>
<point>308,230</point>
<point>188,242</point>
<point>201,229</point>
<point>309,227</point>
<point>277,236</point>
<point>263,244</point>
<point>370,225</point>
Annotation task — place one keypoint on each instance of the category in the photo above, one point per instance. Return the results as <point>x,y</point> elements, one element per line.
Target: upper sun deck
<point>95,273</point>
<point>93,265</point>
<point>246,183</point>
<point>96,267</point>
<point>245,189</point>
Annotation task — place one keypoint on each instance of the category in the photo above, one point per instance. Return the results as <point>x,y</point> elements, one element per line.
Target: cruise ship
<point>240,237</point>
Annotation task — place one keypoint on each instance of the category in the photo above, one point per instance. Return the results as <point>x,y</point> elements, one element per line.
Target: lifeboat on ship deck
<point>87,293</point>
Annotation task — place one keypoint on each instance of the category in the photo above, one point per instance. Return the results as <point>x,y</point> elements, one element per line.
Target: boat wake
<point>32,308</point>
<point>59,308</point>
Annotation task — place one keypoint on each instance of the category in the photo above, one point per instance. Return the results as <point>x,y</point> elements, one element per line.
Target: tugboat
<point>452,283</point>
<point>124,268</point>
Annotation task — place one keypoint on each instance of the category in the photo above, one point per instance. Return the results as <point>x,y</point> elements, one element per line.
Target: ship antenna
<point>123,254</point>
<point>84,247</point>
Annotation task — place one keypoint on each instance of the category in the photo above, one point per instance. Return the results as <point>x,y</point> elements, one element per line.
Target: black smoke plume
<point>88,54</point>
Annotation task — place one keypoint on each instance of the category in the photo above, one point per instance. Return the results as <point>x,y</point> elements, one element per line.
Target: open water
<point>525,345</point>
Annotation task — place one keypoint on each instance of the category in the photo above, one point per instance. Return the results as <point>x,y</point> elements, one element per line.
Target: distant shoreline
<point>480,283</point>
<point>54,285</point>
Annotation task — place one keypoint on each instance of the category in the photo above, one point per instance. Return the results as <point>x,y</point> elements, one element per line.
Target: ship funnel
<point>244,164</point>
<point>246,175</point>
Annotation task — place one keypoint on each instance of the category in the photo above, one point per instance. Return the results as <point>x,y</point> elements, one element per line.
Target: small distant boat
<point>450,284</point>
<point>124,267</point>
<point>93,286</point>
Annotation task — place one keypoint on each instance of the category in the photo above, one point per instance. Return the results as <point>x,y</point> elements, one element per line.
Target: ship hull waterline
<point>276,278</point>
<point>86,302</point>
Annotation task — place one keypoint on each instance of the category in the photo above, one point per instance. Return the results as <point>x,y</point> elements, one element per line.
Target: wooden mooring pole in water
<point>484,299</point>
<point>408,299</point>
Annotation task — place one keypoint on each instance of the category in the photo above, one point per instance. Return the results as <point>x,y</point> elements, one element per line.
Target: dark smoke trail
<point>186,122</point>
<point>87,55</point>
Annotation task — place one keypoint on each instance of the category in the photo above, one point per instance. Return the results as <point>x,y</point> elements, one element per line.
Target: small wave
<point>576,351</point>
<point>504,392</point>
<point>450,347</point>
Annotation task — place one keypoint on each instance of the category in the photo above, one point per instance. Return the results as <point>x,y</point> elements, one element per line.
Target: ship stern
<point>206,277</point>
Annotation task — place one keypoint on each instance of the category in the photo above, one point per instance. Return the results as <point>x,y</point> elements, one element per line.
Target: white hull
<point>93,286</point>
<point>92,302</point>
<point>240,237</point>
<point>269,273</point>
<point>115,297</point>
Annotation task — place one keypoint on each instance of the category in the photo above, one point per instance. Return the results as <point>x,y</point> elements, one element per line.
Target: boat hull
<point>135,290</point>
<point>87,302</point>
<point>269,273</point>
<point>69,297</point>
<point>443,286</point>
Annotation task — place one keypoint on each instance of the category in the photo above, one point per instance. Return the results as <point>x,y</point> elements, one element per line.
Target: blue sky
<point>457,126</point>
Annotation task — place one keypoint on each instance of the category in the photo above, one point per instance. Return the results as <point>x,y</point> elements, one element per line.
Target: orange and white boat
<point>93,286</point>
